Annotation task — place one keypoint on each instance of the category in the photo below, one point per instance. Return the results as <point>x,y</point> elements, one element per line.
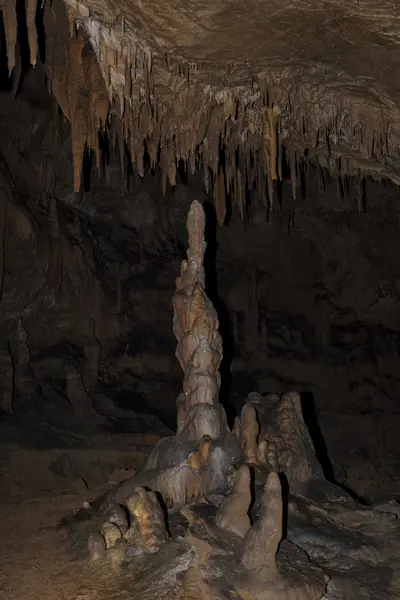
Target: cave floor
<point>37,489</point>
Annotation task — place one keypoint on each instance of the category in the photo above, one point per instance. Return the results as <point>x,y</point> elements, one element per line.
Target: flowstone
<point>244,514</point>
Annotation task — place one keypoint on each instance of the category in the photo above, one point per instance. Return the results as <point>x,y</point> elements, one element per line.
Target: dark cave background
<point>308,299</point>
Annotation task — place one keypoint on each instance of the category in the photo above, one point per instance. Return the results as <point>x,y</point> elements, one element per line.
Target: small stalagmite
<point>261,543</point>
<point>147,528</point>
<point>232,515</point>
<point>249,430</point>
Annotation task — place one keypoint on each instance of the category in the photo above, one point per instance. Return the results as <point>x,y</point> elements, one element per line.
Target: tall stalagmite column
<point>199,349</point>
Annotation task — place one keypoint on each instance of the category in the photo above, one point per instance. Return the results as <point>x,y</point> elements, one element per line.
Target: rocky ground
<point>38,487</point>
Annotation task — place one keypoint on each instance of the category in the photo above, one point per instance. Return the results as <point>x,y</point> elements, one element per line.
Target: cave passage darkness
<point>307,298</point>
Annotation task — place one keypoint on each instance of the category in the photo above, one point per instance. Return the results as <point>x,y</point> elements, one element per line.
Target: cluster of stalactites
<point>9,10</point>
<point>89,71</point>
<point>159,112</point>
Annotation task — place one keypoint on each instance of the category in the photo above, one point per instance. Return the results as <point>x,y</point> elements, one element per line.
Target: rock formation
<point>214,89</point>
<point>244,111</point>
<point>202,456</point>
<point>199,348</point>
<point>273,528</point>
<point>232,514</point>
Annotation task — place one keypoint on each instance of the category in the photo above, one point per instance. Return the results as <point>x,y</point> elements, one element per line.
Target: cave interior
<point>301,266</point>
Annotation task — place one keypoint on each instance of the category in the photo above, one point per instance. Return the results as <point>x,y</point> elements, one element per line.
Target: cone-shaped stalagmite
<point>249,430</point>
<point>233,515</point>
<point>261,543</point>
<point>199,349</point>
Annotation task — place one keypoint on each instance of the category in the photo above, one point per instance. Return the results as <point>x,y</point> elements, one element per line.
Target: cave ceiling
<point>238,89</point>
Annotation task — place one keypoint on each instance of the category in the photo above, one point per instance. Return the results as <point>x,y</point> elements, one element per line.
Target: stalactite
<point>157,110</point>
<point>99,100</point>
<point>118,287</point>
<point>239,191</point>
<point>171,165</point>
<point>192,162</point>
<point>152,151</point>
<point>139,154</point>
<point>16,76</point>
<point>30,9</point>
<point>360,191</point>
<point>121,147</point>
<point>78,101</point>
<point>271,138</point>
<point>280,159</point>
<point>293,175</point>
<point>220,197</point>
<point>10,28</point>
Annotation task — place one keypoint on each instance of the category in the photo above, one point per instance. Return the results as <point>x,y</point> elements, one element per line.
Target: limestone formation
<point>199,349</point>
<point>249,430</point>
<point>233,515</point>
<point>289,446</point>
<point>260,545</point>
<point>111,533</point>
<point>271,529</point>
<point>118,516</point>
<point>147,530</point>
<point>244,112</point>
<point>202,457</point>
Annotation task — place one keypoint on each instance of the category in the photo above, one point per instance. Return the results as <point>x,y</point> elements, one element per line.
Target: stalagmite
<point>199,349</point>
<point>261,543</point>
<point>202,457</point>
<point>111,533</point>
<point>249,430</point>
<point>147,529</point>
<point>232,515</point>
<point>289,445</point>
